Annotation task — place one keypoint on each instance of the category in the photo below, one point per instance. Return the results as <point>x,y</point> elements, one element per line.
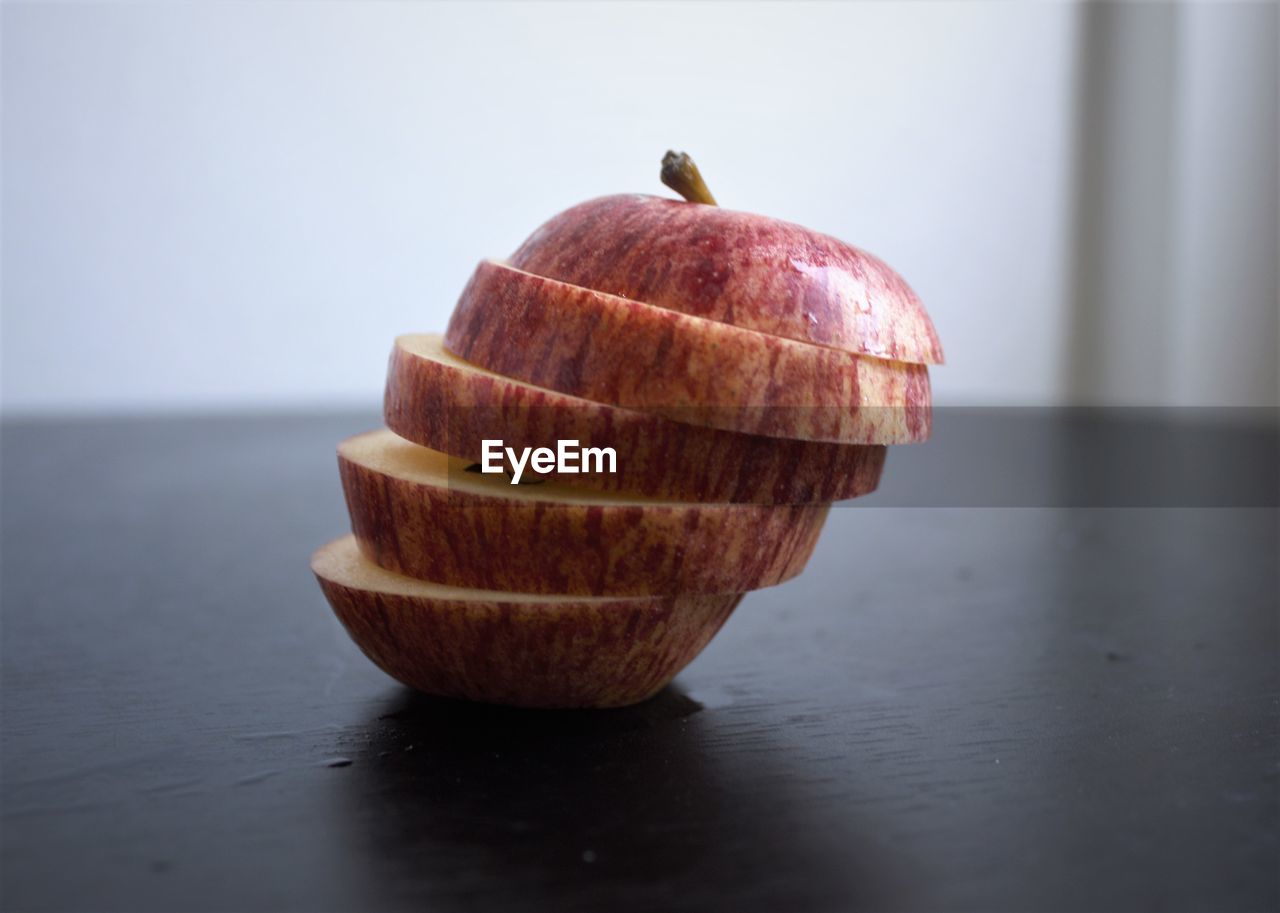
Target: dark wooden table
<point>1067,701</point>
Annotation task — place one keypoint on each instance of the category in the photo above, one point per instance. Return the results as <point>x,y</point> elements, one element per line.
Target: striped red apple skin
<point>435,399</point>
<point>522,651</point>
<point>736,267</point>
<point>416,513</point>
<point>703,372</point>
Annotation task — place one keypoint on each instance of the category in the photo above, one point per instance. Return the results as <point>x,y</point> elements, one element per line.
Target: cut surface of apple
<point>740,268</point>
<point>690,369</point>
<point>515,649</point>
<point>435,399</point>
<point>418,512</point>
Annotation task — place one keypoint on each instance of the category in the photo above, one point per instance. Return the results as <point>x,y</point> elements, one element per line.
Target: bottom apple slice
<point>415,511</point>
<point>512,648</point>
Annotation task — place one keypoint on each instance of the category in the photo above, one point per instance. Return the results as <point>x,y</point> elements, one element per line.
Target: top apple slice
<point>735,267</point>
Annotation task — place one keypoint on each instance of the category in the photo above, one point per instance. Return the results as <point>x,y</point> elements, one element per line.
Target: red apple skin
<point>736,267</point>
<point>702,372</point>
<point>447,405</point>
<point>551,654</point>
<point>524,540</point>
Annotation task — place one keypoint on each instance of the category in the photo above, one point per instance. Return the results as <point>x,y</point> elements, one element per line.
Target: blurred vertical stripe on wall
<point>1175,278</point>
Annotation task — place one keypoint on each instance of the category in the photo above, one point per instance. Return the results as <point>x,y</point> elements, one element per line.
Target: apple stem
<point>682,175</point>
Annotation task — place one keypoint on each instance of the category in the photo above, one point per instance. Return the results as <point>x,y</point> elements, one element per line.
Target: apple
<point>439,401</point>
<point>742,372</point>
<point>515,648</point>
<point>736,267</point>
<point>420,513</point>
<point>621,352</point>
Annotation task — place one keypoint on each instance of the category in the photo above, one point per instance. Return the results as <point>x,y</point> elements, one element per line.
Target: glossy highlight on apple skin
<point>739,268</point>
<point>637,356</point>
<point>439,401</point>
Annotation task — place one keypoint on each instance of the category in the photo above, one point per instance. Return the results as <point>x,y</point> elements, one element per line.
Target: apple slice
<point>442,402</point>
<point>513,648</point>
<point>737,267</point>
<point>419,512</point>
<point>690,369</point>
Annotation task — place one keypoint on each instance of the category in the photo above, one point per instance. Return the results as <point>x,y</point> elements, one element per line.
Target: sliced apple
<point>737,267</point>
<point>516,649</point>
<point>440,401</point>
<point>702,372</point>
<point>419,512</point>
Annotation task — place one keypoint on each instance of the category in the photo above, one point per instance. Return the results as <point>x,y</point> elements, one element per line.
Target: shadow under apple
<point>467,806</point>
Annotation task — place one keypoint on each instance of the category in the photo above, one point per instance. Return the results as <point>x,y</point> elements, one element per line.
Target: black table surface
<point>1068,705</point>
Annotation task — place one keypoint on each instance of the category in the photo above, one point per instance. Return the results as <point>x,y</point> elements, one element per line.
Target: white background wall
<point>240,205</point>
